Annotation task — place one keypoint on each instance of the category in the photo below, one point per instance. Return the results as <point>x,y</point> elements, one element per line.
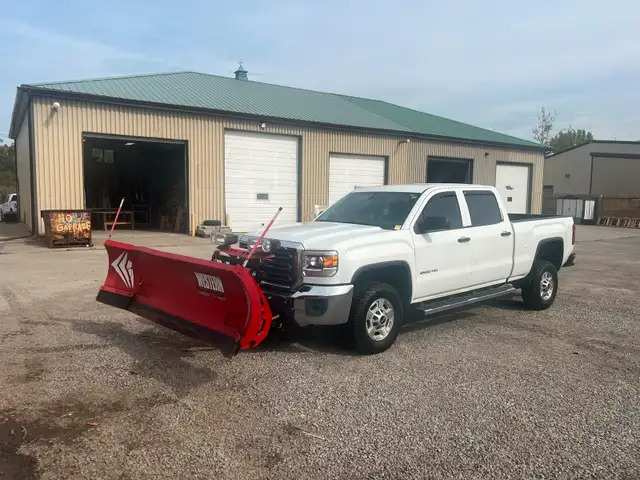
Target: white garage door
<point>346,172</point>
<point>512,181</point>
<point>260,175</point>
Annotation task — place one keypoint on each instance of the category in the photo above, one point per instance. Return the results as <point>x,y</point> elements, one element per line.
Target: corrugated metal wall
<point>58,152</point>
<point>23,160</point>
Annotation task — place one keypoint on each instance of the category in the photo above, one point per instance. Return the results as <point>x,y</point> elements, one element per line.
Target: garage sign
<point>67,227</point>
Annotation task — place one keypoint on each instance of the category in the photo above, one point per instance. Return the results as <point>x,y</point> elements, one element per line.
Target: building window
<point>449,170</point>
<point>102,155</point>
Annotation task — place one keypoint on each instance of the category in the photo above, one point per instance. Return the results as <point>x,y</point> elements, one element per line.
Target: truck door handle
<point>505,234</point>
<point>464,239</point>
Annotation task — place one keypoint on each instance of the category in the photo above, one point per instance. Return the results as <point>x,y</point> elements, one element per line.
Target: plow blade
<point>187,294</point>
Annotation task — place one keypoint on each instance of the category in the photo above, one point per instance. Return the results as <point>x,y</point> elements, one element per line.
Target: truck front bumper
<point>322,305</point>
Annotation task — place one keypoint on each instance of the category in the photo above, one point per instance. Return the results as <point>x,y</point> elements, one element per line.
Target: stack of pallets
<point>626,222</point>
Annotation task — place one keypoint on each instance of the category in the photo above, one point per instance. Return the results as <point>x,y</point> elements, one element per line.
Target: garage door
<point>512,181</point>
<point>346,172</point>
<point>260,175</point>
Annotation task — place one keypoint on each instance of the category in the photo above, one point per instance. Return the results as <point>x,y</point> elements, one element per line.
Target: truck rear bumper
<point>322,305</point>
<point>571,261</point>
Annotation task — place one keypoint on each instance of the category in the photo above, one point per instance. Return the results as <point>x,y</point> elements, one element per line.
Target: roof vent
<point>241,73</point>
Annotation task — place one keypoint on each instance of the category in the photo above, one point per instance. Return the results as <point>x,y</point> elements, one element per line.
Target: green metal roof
<point>213,92</point>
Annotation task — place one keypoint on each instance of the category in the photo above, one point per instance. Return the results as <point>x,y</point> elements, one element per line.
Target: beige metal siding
<point>58,150</point>
<point>23,160</point>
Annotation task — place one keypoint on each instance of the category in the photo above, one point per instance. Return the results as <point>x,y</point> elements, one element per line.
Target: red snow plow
<point>218,299</point>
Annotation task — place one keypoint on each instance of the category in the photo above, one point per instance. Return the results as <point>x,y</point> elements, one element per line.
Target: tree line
<point>8,179</point>
<point>563,139</point>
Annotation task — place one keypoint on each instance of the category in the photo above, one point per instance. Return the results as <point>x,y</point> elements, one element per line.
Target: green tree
<point>569,138</point>
<point>542,130</point>
<point>8,183</point>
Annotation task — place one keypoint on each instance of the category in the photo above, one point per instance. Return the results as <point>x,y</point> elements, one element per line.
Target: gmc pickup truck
<point>9,209</point>
<point>375,258</point>
<point>379,253</point>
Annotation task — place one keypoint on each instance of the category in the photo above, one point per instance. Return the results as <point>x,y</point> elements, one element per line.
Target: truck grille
<point>282,269</point>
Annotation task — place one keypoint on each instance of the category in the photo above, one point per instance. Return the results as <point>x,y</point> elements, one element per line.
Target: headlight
<point>224,239</point>
<point>320,264</point>
<point>270,245</point>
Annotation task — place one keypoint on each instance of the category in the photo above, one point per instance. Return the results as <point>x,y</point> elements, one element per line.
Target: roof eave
<point>19,109</point>
<point>35,90</point>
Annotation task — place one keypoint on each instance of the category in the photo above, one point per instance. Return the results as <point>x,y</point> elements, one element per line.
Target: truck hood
<point>324,235</point>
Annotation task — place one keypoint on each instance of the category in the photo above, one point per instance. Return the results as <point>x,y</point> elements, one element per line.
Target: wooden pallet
<point>622,222</point>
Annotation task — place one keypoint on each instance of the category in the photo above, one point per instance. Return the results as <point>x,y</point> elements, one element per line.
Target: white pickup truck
<point>9,209</point>
<point>380,253</point>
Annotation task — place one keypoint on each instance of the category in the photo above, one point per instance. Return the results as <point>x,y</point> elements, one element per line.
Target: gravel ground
<point>87,391</point>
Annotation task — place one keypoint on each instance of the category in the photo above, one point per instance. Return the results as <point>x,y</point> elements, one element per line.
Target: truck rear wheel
<point>539,291</point>
<point>376,316</point>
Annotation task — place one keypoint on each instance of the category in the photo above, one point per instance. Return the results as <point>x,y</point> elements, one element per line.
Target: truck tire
<point>539,290</point>
<point>376,315</point>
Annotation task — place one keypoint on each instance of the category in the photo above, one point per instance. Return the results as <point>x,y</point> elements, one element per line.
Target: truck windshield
<point>386,210</point>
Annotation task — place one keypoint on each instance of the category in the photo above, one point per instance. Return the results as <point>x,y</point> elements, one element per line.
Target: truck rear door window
<point>483,208</point>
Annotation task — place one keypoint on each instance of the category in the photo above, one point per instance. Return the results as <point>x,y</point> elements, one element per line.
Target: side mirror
<point>430,224</point>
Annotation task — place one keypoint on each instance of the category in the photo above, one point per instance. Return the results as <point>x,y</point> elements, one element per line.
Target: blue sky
<point>492,64</point>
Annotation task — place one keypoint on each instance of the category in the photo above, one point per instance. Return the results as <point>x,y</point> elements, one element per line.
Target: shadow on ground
<point>162,355</point>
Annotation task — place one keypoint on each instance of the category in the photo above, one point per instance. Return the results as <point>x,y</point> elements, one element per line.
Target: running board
<point>463,300</point>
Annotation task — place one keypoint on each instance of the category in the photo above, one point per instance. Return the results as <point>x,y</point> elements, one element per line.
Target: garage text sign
<point>74,226</point>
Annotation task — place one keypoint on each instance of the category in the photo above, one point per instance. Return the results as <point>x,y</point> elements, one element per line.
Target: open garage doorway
<point>449,170</point>
<point>151,175</point>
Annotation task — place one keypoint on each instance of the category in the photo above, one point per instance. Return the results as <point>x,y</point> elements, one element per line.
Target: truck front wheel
<point>541,286</point>
<point>376,316</point>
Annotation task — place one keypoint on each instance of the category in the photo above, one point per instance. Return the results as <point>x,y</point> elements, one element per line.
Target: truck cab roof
<point>421,187</point>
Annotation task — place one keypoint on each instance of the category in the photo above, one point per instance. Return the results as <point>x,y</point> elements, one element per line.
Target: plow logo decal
<point>210,283</point>
<point>124,268</point>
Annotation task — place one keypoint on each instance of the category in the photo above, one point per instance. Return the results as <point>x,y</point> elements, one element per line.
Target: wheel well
<point>551,250</point>
<point>396,274</point>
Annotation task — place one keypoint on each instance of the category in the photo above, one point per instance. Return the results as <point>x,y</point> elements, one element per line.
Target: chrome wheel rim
<point>380,318</point>
<point>546,286</point>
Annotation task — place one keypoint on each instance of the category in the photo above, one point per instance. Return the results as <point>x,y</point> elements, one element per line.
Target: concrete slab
<point>10,230</point>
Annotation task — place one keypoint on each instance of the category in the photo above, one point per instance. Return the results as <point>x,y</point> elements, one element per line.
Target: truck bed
<point>525,217</point>
<point>529,230</point>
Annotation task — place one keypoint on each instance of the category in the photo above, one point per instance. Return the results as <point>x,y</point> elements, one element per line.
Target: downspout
<point>34,219</point>
<point>591,176</point>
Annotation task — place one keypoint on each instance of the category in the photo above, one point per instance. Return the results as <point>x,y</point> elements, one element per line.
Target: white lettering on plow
<point>208,282</point>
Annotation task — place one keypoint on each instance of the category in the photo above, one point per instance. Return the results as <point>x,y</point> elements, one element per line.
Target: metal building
<point>185,147</point>
<point>600,167</point>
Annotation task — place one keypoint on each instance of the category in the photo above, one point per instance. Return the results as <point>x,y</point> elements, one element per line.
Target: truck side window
<point>442,212</point>
<point>483,208</point>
